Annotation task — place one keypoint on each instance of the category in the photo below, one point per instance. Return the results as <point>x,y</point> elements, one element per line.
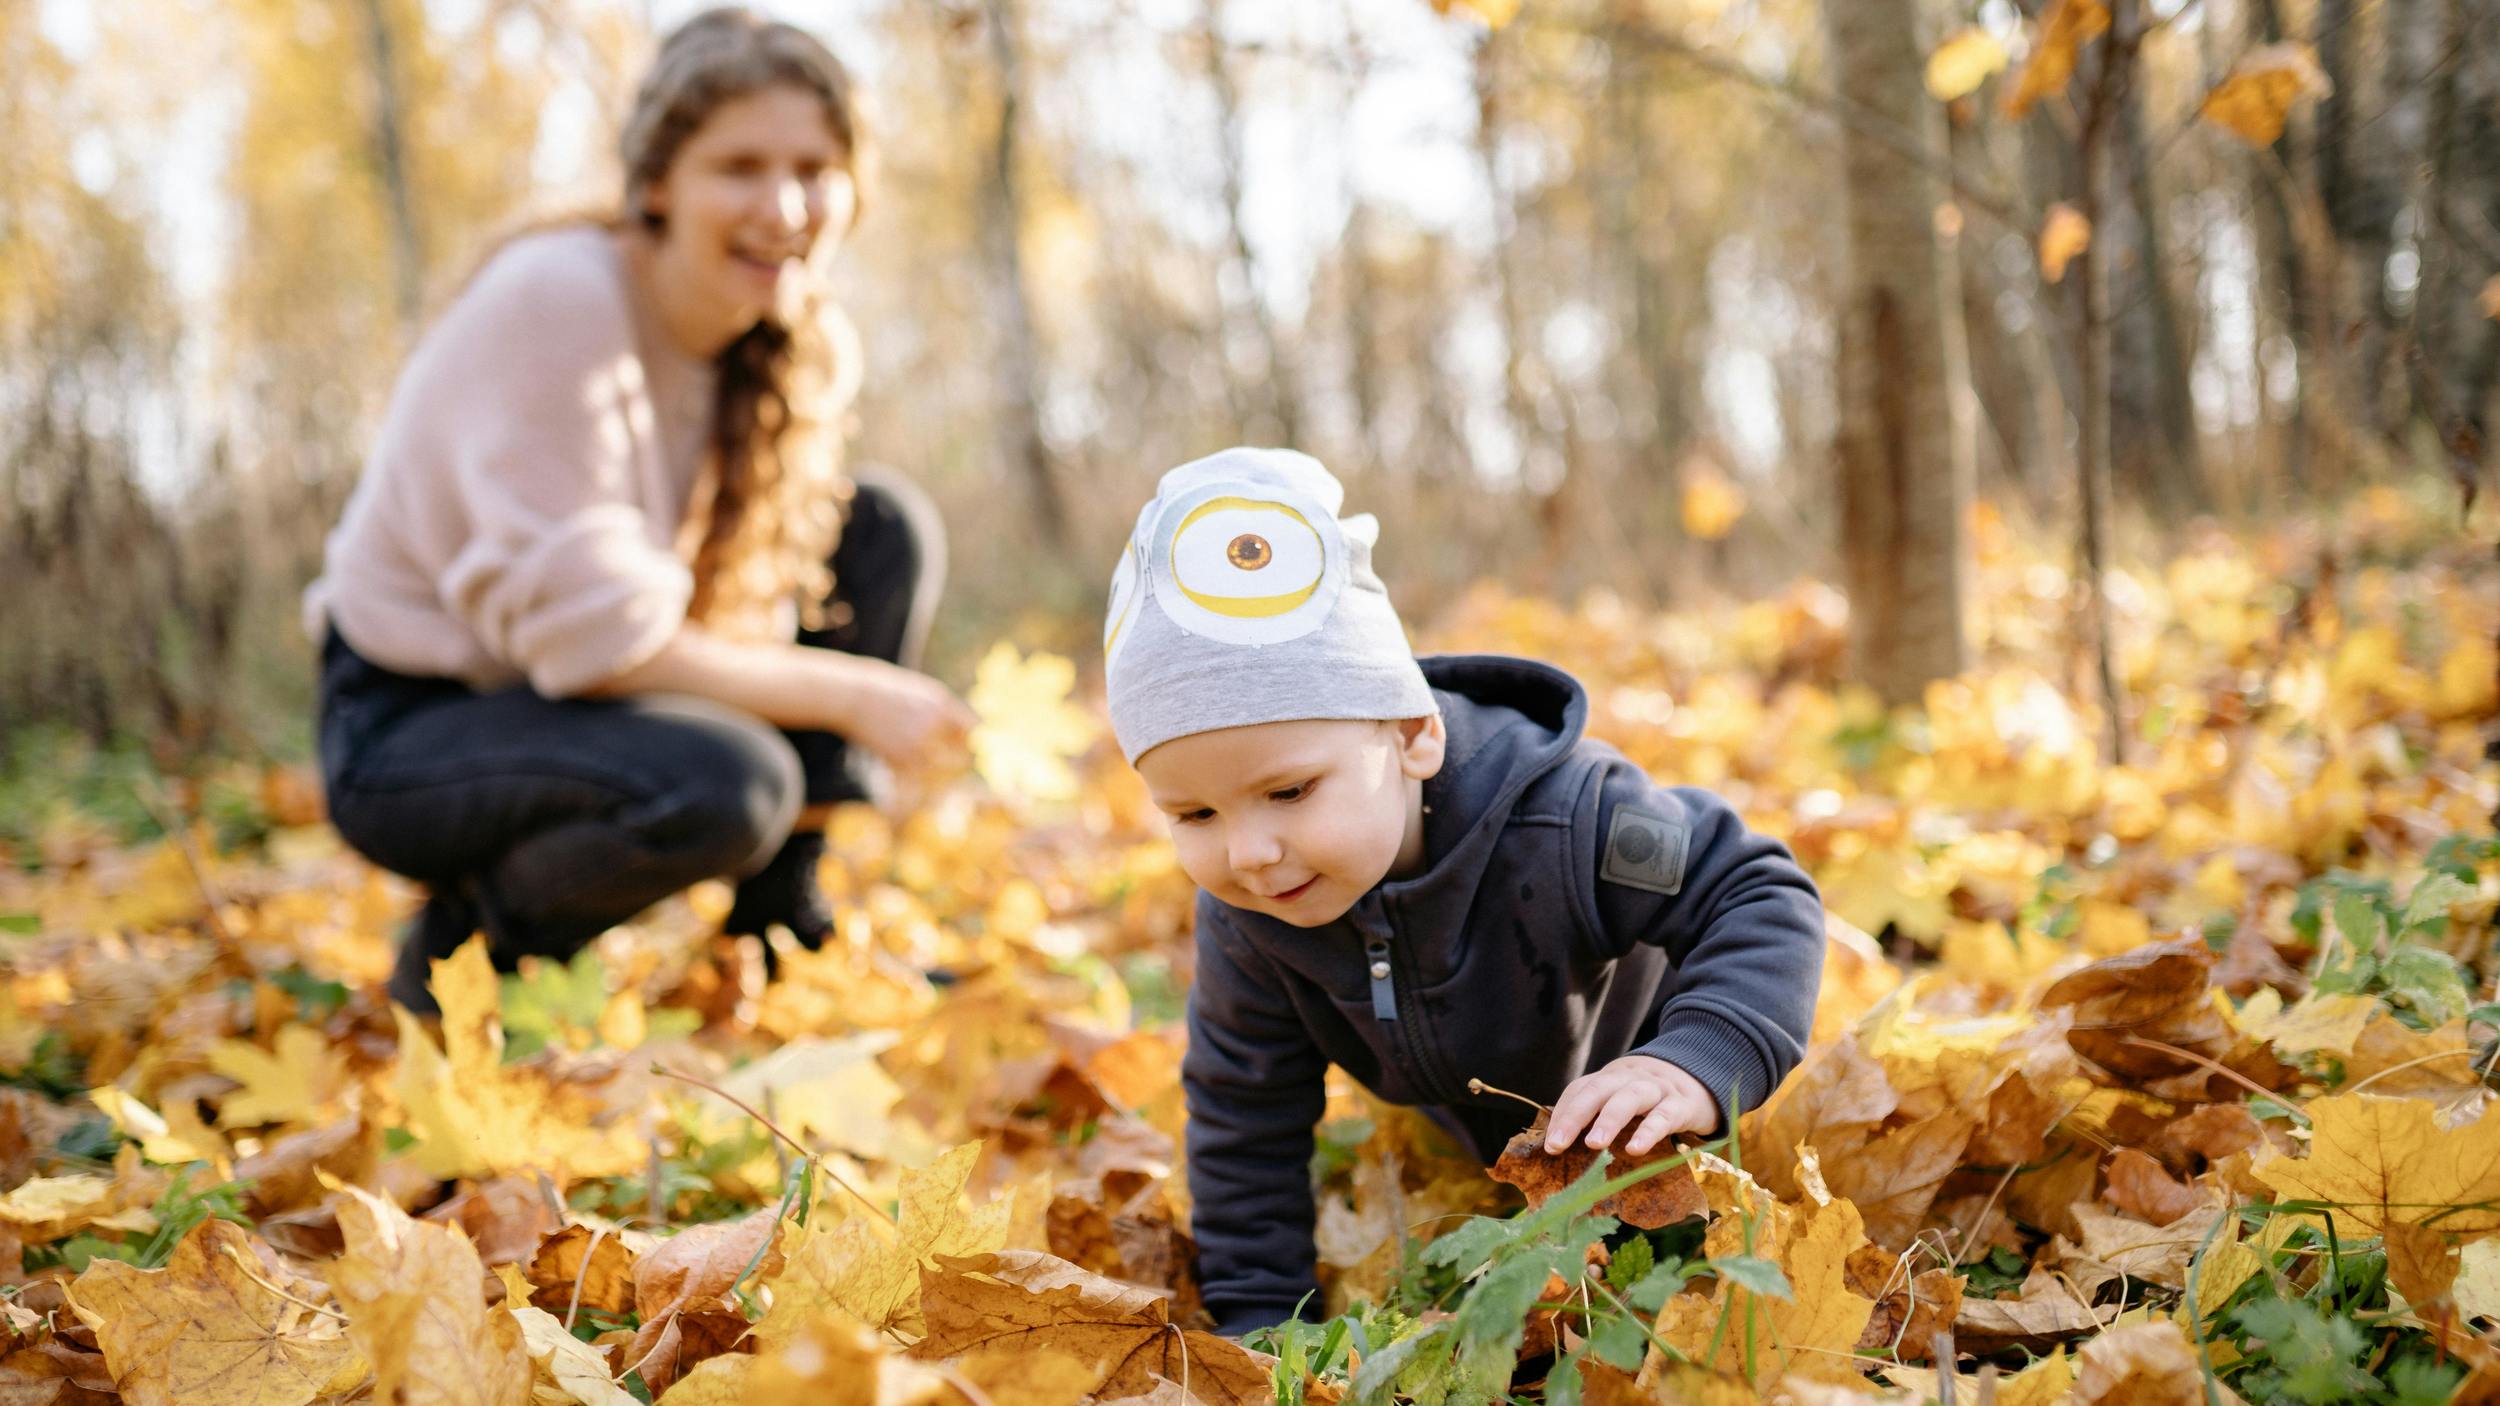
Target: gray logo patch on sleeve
<point>1644,851</point>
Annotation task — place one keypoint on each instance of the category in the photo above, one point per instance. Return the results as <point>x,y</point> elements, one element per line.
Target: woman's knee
<point>738,789</point>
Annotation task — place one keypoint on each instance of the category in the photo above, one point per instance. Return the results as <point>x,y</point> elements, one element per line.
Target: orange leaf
<point>2062,33</point>
<point>2261,90</point>
<point>2064,235</point>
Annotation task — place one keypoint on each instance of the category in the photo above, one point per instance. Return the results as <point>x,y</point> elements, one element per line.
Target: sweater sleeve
<point>1255,1085</point>
<point>545,406</point>
<point>1676,867</point>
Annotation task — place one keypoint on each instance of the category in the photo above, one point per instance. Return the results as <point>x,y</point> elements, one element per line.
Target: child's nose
<point>1252,848</point>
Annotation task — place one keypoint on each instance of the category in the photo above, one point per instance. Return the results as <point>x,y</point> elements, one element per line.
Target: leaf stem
<point>244,1267</point>
<point>1480,1087</point>
<point>776,1130</point>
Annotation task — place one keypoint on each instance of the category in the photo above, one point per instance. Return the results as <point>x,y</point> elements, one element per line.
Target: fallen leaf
<point>694,1270</point>
<point>2385,1161</point>
<point>1028,728</point>
<point>50,1208</point>
<point>301,1079</point>
<point>201,1332</point>
<point>2139,1187</point>
<point>412,1294</point>
<point>2140,1364</point>
<point>872,1271</point>
<point>2258,95</point>
<point>2034,1322</point>
<point>2157,1254</point>
<point>1810,1333</point>
<point>1662,1200</point>
<point>571,1372</point>
<point>2422,1263</point>
<point>1033,1303</point>
<point>599,1264</point>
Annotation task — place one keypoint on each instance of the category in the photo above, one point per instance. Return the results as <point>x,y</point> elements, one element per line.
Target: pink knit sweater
<point>523,514</point>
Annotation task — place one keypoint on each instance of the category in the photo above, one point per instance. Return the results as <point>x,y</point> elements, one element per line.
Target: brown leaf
<point>415,1305</point>
<point>505,1217</point>
<point>1895,1178</point>
<point>2055,44</point>
<point>31,1378</point>
<point>2141,1364</point>
<point>2158,992</point>
<point>2034,1322</point>
<point>2209,1132</point>
<point>2158,1254</point>
<point>2139,1187</point>
<point>2421,1262</point>
<point>2258,95</point>
<point>607,1283</point>
<point>1909,1308</point>
<point>1119,1225</point>
<point>201,1332</point>
<point>1027,1302</point>
<point>693,1270</point>
<point>675,1343</point>
<point>1835,1100</point>
<point>1664,1199</point>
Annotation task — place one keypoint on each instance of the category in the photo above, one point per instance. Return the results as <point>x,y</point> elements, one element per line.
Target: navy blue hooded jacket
<point>1570,911</point>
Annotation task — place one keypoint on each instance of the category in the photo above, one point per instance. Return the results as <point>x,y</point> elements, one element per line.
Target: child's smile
<point>1296,820</point>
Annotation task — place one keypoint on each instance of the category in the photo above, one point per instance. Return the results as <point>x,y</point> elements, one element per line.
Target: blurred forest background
<point>1675,298</point>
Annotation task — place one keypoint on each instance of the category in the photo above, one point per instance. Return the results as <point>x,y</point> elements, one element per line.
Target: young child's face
<point>1296,820</point>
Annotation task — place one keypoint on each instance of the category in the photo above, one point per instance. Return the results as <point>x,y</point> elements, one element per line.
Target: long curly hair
<point>779,486</point>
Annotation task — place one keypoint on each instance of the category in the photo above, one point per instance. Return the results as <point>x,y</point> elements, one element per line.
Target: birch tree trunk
<point>1905,447</point>
<point>1016,372</point>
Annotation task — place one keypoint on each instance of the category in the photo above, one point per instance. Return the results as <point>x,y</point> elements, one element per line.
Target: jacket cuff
<point>1715,1050</point>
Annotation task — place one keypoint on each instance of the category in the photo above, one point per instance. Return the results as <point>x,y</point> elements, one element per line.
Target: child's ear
<point>1422,744</point>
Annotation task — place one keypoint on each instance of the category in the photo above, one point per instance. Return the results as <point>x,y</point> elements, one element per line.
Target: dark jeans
<point>560,818</point>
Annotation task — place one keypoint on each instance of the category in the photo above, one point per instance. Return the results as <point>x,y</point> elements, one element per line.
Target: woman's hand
<point>1606,1101</point>
<point>909,720</point>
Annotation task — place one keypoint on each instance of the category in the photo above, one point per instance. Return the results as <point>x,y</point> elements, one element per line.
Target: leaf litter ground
<point>2163,1080</point>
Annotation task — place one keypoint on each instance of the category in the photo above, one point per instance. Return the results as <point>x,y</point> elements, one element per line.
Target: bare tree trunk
<point>2154,446</point>
<point>2459,346</point>
<point>391,162</point>
<point>1016,372</point>
<point>2360,182</point>
<point>1904,443</point>
<point>2111,72</point>
<point>2283,301</point>
<point>1282,406</point>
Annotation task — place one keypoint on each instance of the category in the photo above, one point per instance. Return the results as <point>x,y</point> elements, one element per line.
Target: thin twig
<point>573,1305</point>
<point>2408,1064</point>
<point>1963,1234</point>
<point>244,1267</point>
<point>1480,1087</point>
<point>181,836</point>
<point>2233,1075</point>
<point>776,1130</point>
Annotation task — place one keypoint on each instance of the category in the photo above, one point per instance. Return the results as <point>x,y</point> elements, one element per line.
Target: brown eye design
<point>1249,551</point>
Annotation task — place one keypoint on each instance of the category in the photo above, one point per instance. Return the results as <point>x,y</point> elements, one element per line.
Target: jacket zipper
<point>1384,982</point>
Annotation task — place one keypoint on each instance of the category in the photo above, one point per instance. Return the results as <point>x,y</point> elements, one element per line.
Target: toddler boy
<point>1419,871</point>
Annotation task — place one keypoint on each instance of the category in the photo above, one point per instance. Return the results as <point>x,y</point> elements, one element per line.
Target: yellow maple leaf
<point>1812,1331</point>
<point>471,1115</point>
<point>411,1293</point>
<point>171,1138</point>
<point>202,1332</point>
<point>872,1271</point>
<point>2258,95</point>
<point>1963,62</point>
<point>1029,730</point>
<point>301,1081</point>
<point>2386,1161</point>
<point>2325,1022</point>
<point>47,1208</point>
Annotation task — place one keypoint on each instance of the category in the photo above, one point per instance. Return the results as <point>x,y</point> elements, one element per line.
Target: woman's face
<point>759,189</point>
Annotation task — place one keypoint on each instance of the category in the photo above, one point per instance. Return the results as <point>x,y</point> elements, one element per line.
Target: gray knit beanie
<point>1243,598</point>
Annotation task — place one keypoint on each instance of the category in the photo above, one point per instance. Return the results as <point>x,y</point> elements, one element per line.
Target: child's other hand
<point>1605,1101</point>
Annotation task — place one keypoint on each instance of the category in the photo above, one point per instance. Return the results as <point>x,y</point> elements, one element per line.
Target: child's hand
<point>1607,1100</point>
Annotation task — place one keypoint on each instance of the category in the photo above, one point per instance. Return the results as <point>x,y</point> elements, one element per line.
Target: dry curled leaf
<point>414,1304</point>
<point>1022,1301</point>
<point>1664,1199</point>
<point>208,1330</point>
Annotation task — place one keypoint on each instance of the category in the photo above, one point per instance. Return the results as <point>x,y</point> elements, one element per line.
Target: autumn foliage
<point>2158,1077</point>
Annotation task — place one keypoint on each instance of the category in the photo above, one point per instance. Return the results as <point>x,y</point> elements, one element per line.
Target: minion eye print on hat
<point>1245,565</point>
<point>1264,609</point>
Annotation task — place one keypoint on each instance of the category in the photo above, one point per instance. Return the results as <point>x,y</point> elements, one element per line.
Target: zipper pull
<point>1384,985</point>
